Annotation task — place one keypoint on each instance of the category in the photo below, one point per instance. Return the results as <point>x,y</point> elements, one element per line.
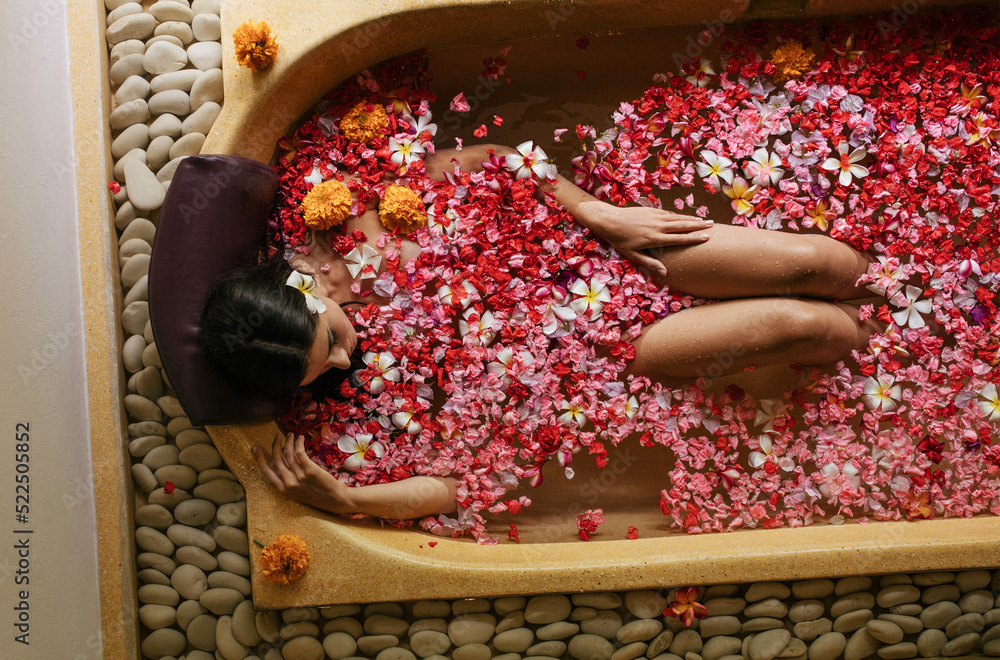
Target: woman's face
<point>334,343</point>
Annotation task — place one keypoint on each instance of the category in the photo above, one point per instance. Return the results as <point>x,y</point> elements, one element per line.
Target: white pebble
<point>205,55</point>
<point>133,26</point>
<point>206,27</point>
<point>171,101</point>
<point>144,190</point>
<point>182,80</point>
<point>178,29</point>
<point>171,11</point>
<point>127,66</point>
<point>645,604</point>
<point>135,136</point>
<point>127,47</point>
<point>168,38</point>
<point>206,6</point>
<point>167,125</point>
<point>119,169</point>
<point>158,151</point>
<point>188,145</point>
<point>201,120</point>
<point>228,646</point>
<point>134,87</point>
<point>547,609</point>
<point>164,57</point>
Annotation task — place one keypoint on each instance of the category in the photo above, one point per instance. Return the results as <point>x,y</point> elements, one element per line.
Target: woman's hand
<point>632,230</point>
<point>295,475</point>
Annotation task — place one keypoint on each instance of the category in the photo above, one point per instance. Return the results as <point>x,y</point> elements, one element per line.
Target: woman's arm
<point>295,475</point>
<point>630,230</point>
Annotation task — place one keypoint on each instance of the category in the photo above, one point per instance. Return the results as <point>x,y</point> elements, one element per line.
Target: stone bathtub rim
<point>250,124</point>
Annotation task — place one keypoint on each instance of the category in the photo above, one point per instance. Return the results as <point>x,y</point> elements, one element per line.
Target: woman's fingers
<point>265,468</point>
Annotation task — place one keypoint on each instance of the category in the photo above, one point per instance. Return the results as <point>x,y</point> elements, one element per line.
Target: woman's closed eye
<point>333,339</point>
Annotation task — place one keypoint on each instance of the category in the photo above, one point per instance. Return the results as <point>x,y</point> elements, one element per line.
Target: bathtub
<point>323,43</point>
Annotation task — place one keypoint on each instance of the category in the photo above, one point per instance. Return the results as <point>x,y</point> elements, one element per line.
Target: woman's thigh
<point>729,336</point>
<point>740,262</point>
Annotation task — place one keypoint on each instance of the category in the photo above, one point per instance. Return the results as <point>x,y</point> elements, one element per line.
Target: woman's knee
<point>815,331</point>
<point>810,266</point>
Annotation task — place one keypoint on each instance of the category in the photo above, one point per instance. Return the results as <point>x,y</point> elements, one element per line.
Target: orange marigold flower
<point>791,60</point>
<point>285,560</point>
<point>256,47</point>
<point>402,209</point>
<point>326,205</point>
<point>685,608</point>
<point>364,122</point>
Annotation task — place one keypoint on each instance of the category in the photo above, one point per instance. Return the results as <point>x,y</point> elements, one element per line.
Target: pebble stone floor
<point>166,76</point>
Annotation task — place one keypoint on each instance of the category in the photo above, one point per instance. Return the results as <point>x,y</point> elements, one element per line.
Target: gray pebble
<point>909,624</point>
<point>907,609</point>
<point>516,640</point>
<point>632,651</point>
<point>558,630</point>
<point>828,646</point>
<point>189,581</point>
<point>761,590</point>
<point>373,644</point>
<point>234,563</point>
<point>201,632</point>
<point>139,447</point>
<point>165,641</point>
<point>339,645</point>
<point>861,645</point>
<point>244,627</point>
<point>502,606</point>
<point>221,600</point>
<point>474,651</point>
<point>548,609</point>
<point>219,491</point>
<point>931,579</point>
<point>807,631</point>
<point>972,580</point>
<point>227,644</point>
<point>660,643</point>
<point>966,623</point>
<point>852,621</point>
<point>605,624</point>
<point>940,614</point>
<point>938,593</point>
<point>931,641</point>
<point>812,589</point>
<point>165,565</point>
<point>642,630</point>
<point>806,610</point>
<point>961,645</point>
<point>796,648</point>
<point>513,620</point>
<point>165,125</point>
<point>153,576</point>
<point>762,623</point>
<point>550,649</point>
<point>181,476</point>
<point>725,606</point>
<point>153,515</point>
<point>719,625</point>
<point>768,644</point>
<point>169,500</point>
<point>233,514</point>
<point>155,616</point>
<point>160,456</point>
<point>685,641</point>
<point>185,535</point>
<point>897,594</point>
<point>298,629</point>
<point>466,628</point>
<point>190,554</point>
<point>720,646</point>
<point>195,512</point>
<point>222,578</point>
<point>145,480</point>
<point>232,539</point>
<point>849,585</point>
<point>884,631</point>
<point>852,602</point>
<point>590,647</point>
<point>152,540</point>
<point>979,601</point>
<point>158,594</point>
<point>769,607</point>
<point>898,651</point>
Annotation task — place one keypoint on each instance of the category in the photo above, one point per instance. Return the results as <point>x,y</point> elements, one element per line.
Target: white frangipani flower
<point>882,393</point>
<point>847,164</point>
<point>362,450</point>
<point>911,309</point>
<point>529,160</point>
<point>404,418</point>
<point>590,297</point>
<point>990,406</point>
<point>714,167</point>
<point>307,285</point>
<point>382,366</point>
<point>364,262</point>
<point>481,327</point>
<point>575,412</point>
<point>832,471</point>
<point>765,169</point>
<point>759,458</point>
<point>405,151</point>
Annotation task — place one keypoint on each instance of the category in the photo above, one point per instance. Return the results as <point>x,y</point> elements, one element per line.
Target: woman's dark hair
<point>258,330</point>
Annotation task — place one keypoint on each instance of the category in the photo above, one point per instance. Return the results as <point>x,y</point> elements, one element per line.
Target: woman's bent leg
<point>726,337</point>
<point>739,262</point>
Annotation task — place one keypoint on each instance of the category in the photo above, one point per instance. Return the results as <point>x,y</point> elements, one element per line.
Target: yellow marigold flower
<point>285,560</point>
<point>326,205</point>
<point>402,209</point>
<point>791,60</point>
<point>255,45</point>
<point>363,125</point>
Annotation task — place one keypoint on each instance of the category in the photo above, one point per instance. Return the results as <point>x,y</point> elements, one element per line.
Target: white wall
<point>42,376</point>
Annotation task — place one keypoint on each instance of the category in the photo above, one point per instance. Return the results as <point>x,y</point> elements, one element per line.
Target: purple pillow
<point>213,221</point>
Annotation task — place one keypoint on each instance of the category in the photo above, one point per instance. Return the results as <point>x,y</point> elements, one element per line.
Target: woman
<point>778,293</point>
